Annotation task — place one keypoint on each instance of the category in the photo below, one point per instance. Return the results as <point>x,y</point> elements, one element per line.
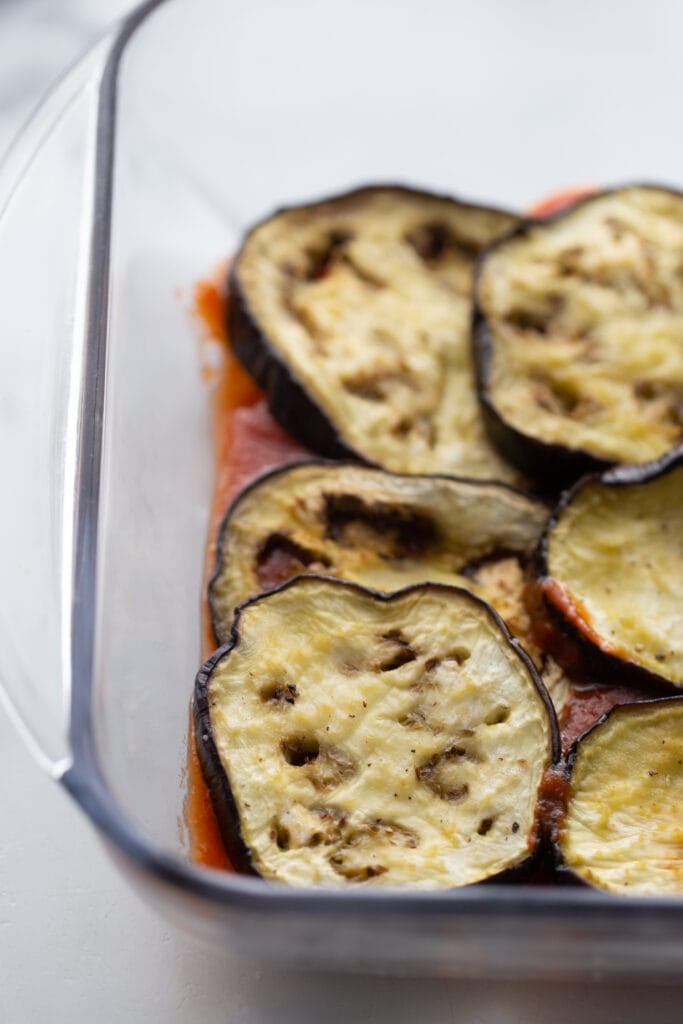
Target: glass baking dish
<point>187,122</point>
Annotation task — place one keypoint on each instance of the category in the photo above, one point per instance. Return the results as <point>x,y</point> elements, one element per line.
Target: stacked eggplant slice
<point>622,826</point>
<point>611,572</point>
<point>398,739</point>
<point>353,315</point>
<point>579,322</point>
<point>399,642</point>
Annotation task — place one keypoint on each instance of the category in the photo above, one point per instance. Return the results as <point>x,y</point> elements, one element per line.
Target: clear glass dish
<point>137,176</point>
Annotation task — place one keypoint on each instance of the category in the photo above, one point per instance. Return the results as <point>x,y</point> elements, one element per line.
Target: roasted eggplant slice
<point>385,531</point>
<point>579,335</point>
<point>349,737</point>
<point>354,314</point>
<point>611,568</point>
<point>622,829</point>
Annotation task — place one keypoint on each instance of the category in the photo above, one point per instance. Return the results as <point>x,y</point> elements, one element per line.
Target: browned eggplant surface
<point>385,531</point>
<point>623,825</point>
<point>580,335</point>
<point>354,315</point>
<point>351,737</point>
<point>612,570</point>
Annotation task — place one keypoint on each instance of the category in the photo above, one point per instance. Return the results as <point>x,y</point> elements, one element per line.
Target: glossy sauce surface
<point>552,801</point>
<point>588,703</point>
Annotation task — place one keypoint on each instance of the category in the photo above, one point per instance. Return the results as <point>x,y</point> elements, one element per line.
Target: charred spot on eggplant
<point>622,827</point>
<point>336,787</point>
<point>611,572</point>
<point>392,529</point>
<point>381,529</point>
<point>579,335</point>
<point>279,693</point>
<point>385,531</point>
<point>353,314</point>
<point>279,557</point>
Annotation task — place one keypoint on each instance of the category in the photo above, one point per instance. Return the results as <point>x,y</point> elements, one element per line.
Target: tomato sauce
<point>552,800</point>
<point>558,201</point>
<point>247,442</point>
<point>578,615</point>
<point>590,702</point>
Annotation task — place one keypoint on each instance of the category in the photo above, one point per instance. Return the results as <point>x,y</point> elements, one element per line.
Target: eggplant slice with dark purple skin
<point>622,828</point>
<point>352,737</point>
<point>579,335</point>
<point>385,531</point>
<point>611,572</point>
<point>354,315</point>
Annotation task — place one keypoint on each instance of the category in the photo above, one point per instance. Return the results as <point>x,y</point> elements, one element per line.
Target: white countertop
<point>76,944</point>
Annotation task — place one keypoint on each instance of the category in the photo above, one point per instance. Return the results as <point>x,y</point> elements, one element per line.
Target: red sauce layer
<point>588,702</point>
<point>247,442</point>
<point>552,801</point>
<point>559,201</point>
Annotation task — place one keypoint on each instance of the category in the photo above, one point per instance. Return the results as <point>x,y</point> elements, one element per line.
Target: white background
<point>75,944</point>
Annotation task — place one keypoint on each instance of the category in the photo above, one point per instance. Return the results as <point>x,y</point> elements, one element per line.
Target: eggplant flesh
<point>354,315</point>
<point>580,334</point>
<point>385,740</point>
<point>612,567</point>
<point>385,531</point>
<point>623,825</point>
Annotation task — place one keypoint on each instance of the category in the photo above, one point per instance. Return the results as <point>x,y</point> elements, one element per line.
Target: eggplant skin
<point>353,315</point>
<point>288,401</point>
<point>642,548</point>
<point>284,733</point>
<point>384,531</point>
<point>576,328</point>
<point>221,796</point>
<point>621,828</point>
